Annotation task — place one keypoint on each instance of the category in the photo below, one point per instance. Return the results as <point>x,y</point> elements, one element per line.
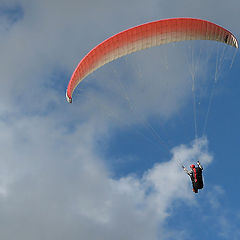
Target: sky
<point>108,166</point>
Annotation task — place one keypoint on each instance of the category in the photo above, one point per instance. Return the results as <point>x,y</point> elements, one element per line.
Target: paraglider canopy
<point>145,36</point>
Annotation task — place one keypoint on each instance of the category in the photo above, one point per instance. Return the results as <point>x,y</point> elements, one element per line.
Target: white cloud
<point>60,186</point>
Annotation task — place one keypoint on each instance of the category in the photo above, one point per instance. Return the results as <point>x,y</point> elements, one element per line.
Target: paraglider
<point>146,36</point>
<point>196,176</point>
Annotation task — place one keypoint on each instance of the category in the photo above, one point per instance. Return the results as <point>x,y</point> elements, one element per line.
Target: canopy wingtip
<point>69,99</point>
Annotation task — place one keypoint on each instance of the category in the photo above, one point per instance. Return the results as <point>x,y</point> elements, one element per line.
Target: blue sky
<point>106,166</point>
